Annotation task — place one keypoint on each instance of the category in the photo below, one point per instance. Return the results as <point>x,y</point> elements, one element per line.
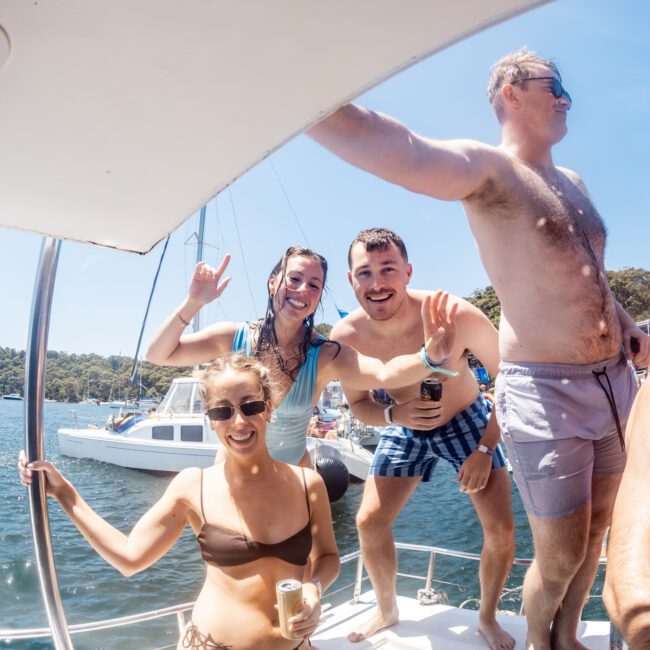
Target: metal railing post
<point>34,442</point>
<point>430,570</point>
<point>180,621</point>
<point>359,579</point>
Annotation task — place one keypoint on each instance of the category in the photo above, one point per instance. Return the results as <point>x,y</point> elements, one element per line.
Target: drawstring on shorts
<point>612,402</point>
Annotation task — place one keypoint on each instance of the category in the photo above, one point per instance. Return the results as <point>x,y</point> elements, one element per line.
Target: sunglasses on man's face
<point>221,413</point>
<point>556,89</point>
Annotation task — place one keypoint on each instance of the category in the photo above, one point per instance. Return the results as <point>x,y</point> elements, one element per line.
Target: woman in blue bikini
<point>257,521</point>
<point>301,361</point>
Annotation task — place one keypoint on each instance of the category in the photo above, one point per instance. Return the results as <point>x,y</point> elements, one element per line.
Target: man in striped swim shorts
<point>460,430</point>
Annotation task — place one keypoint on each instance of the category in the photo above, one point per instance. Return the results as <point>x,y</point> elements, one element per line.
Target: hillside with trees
<point>74,377</point>
<point>630,286</point>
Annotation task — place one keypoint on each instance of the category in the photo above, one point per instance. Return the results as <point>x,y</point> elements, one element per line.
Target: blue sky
<point>603,50</point>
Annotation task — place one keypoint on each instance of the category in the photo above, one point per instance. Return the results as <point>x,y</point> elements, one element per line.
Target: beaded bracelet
<point>436,367</point>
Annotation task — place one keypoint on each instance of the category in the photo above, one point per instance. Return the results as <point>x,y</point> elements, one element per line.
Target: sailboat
<point>247,87</point>
<point>88,399</point>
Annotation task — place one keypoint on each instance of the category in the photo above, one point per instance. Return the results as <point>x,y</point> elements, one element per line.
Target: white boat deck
<point>430,627</point>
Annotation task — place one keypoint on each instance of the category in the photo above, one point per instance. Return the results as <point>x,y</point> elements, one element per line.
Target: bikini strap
<point>202,511</point>
<point>304,482</point>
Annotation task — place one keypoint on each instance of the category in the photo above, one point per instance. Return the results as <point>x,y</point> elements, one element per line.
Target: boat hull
<point>135,453</point>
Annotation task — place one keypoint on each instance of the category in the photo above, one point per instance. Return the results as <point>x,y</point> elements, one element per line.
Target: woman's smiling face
<point>299,292</point>
<point>231,388</point>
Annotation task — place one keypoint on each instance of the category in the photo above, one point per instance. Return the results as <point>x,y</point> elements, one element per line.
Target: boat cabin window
<point>197,402</point>
<point>192,433</point>
<point>183,398</point>
<point>163,433</point>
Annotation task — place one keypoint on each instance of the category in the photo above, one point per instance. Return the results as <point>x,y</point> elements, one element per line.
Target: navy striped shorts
<point>405,452</point>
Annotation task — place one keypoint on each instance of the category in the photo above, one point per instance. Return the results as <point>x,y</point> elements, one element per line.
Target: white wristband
<point>388,414</point>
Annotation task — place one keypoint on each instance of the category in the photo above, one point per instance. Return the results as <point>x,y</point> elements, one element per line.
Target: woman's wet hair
<point>237,363</point>
<point>267,339</point>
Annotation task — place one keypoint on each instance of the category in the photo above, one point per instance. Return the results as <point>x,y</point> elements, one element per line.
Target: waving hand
<point>439,325</point>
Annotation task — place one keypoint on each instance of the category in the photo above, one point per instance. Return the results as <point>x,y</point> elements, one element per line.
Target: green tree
<point>631,287</point>
<point>324,329</point>
<point>486,300</point>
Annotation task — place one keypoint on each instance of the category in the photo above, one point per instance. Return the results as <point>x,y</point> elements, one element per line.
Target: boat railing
<point>85,421</point>
<point>178,611</point>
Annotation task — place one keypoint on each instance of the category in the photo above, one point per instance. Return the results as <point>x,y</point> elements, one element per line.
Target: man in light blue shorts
<point>563,424</point>
<point>542,242</point>
<point>458,429</point>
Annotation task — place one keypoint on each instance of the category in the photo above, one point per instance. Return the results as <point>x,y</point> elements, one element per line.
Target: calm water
<point>437,514</point>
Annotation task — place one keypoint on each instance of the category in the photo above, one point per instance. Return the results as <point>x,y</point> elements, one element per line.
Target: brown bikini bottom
<point>194,639</point>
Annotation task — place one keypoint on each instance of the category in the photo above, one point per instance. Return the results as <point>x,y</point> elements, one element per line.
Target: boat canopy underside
<point>104,102</point>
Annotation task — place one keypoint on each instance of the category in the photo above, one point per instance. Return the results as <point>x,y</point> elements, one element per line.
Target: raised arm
<point>153,535</point>
<point>169,348</point>
<point>448,170</point>
<point>627,583</point>
<point>358,371</point>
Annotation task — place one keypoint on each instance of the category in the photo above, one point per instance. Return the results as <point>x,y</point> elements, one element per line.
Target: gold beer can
<point>289,595</point>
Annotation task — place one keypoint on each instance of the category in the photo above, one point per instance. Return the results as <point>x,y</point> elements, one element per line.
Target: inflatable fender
<point>335,475</point>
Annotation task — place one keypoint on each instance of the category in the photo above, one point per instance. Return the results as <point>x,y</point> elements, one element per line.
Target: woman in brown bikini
<point>257,520</point>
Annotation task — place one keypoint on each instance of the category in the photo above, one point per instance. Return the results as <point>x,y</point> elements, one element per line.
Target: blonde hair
<point>237,363</point>
<point>512,67</point>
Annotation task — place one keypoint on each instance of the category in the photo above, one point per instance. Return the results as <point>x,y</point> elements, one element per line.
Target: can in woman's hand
<point>290,603</point>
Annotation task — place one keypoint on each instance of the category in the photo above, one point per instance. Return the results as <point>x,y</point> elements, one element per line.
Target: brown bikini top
<point>223,547</point>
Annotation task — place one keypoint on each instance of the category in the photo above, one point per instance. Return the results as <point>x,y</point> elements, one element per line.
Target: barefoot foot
<point>564,644</point>
<point>376,622</point>
<point>496,637</point>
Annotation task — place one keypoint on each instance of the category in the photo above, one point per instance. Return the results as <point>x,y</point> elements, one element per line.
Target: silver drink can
<point>289,595</point>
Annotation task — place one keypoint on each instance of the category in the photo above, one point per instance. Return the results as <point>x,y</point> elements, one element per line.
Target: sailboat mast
<point>199,258</point>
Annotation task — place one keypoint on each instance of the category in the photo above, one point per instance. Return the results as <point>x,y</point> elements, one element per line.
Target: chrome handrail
<point>8,634</point>
<point>38,632</point>
<point>34,443</point>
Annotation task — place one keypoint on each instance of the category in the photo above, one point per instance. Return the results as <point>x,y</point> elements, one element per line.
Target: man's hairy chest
<point>553,209</point>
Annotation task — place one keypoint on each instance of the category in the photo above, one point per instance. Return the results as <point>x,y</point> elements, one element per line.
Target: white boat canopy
<point>119,119</point>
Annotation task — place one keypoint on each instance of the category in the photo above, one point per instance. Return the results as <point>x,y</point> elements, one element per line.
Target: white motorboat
<point>178,436</point>
<point>354,456</point>
<point>13,396</point>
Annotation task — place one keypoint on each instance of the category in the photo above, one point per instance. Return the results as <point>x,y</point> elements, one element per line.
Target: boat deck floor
<point>430,627</point>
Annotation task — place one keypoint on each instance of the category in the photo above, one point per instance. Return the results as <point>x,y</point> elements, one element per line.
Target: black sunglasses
<point>557,90</point>
<point>221,413</point>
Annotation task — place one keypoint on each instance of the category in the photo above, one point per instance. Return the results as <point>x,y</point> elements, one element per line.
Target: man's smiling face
<point>379,278</point>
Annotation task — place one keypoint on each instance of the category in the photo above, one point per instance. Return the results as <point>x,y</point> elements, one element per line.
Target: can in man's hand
<point>431,389</point>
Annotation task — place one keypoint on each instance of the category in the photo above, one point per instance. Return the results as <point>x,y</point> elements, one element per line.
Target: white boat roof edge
<point>103,103</point>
